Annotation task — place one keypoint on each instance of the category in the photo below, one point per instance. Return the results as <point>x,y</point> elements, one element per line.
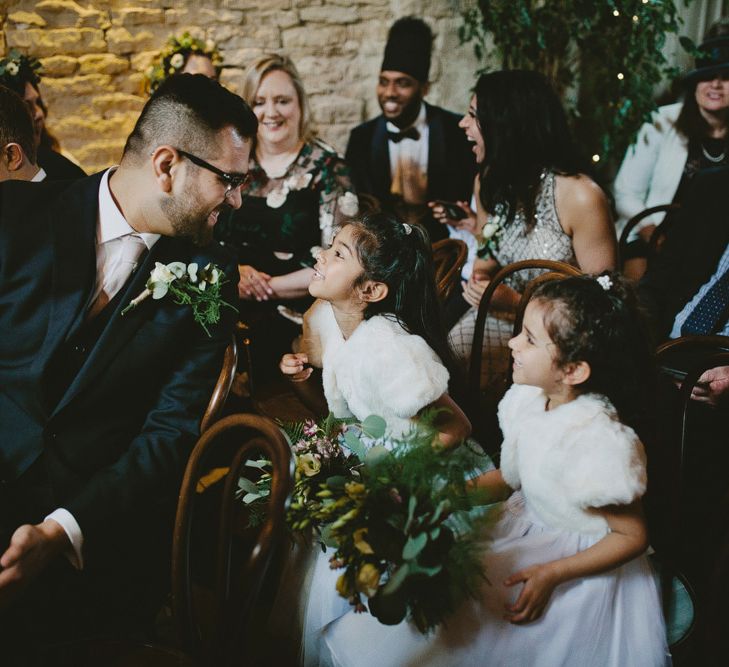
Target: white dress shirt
<point>110,228</point>
<point>39,175</point>
<point>409,162</point>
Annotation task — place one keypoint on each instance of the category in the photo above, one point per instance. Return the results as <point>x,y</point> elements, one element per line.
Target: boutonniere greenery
<point>190,286</point>
<point>488,243</point>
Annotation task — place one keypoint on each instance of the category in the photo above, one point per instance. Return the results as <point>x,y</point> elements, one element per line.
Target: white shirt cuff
<point>66,520</point>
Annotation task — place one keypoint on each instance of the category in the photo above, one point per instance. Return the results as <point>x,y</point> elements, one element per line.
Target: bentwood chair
<point>690,357</point>
<point>449,256</point>
<point>480,407</point>
<point>222,387</point>
<point>657,234</point>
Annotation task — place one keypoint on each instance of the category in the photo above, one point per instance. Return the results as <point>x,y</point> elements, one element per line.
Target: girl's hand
<point>253,285</point>
<point>539,582</point>
<point>475,287</point>
<point>292,366</point>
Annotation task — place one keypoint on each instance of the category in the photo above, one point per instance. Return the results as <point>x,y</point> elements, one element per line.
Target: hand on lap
<point>253,285</point>
<point>293,366</point>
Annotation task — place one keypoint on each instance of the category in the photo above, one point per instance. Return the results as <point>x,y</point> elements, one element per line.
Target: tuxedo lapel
<point>380,159</point>
<point>73,235</point>
<point>120,328</point>
<point>436,150</point>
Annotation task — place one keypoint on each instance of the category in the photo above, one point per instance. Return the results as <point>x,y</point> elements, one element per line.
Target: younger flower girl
<point>569,583</point>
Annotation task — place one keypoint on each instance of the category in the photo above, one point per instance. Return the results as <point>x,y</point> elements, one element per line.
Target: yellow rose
<point>368,579</point>
<point>360,543</point>
<point>343,586</point>
<point>309,464</point>
<point>355,490</point>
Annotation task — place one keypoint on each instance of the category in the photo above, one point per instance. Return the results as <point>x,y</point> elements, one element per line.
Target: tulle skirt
<point>608,620</point>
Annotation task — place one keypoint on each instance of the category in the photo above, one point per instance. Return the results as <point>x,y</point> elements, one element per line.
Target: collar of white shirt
<point>39,175</point>
<point>420,122</point>
<point>112,224</point>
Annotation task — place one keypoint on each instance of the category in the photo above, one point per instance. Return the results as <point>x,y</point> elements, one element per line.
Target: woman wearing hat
<point>682,139</point>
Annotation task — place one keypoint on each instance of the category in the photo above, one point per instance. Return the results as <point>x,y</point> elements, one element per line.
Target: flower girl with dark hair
<point>568,583</point>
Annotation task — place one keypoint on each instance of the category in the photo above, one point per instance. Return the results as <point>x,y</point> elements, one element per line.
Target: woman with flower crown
<point>533,199</point>
<point>299,190</point>
<point>184,54</point>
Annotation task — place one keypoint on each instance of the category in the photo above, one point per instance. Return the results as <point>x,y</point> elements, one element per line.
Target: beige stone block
<point>133,84</point>
<point>256,4</point>
<point>24,19</point>
<point>114,104</point>
<point>315,37</point>
<point>174,17</point>
<point>67,13</point>
<point>74,87</point>
<point>99,154</point>
<point>236,61</point>
<point>56,66</point>
<point>102,63</point>
<point>69,41</point>
<point>246,37</point>
<point>133,16</point>
<point>330,14</point>
<point>335,109</point>
<point>121,41</point>
<point>213,17</point>
<point>141,62</point>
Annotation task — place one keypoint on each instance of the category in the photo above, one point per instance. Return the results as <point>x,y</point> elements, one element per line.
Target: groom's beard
<point>189,220</point>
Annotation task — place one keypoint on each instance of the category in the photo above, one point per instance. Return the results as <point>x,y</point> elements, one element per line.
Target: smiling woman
<point>299,190</point>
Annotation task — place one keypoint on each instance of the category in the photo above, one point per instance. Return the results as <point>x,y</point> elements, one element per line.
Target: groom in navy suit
<point>99,410</point>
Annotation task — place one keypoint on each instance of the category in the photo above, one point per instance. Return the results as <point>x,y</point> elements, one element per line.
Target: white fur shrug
<point>380,369</point>
<point>568,459</point>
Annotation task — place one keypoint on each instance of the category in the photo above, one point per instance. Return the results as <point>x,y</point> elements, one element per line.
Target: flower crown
<point>17,68</point>
<point>172,58</point>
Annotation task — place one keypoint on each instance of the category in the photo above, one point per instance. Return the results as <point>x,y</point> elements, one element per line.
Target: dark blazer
<point>451,163</point>
<point>58,167</point>
<point>117,440</point>
<point>692,250</point>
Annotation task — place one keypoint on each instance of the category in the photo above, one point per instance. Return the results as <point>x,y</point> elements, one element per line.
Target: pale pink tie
<point>132,247</point>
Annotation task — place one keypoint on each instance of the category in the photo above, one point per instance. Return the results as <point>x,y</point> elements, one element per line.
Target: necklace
<point>710,157</point>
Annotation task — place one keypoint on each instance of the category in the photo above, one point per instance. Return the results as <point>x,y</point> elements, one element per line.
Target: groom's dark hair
<point>16,125</point>
<point>187,111</point>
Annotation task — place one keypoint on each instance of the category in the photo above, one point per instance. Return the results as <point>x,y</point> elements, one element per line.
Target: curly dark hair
<point>607,329</point>
<point>400,256</point>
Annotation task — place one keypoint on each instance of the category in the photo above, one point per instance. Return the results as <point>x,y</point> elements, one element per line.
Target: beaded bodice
<point>545,240</point>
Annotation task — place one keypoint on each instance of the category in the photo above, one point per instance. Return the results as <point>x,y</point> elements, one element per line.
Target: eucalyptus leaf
<point>245,484</point>
<point>375,454</point>
<point>249,498</point>
<point>261,464</point>
<point>397,579</point>
<point>374,426</point>
<point>355,445</point>
<point>414,545</point>
<point>427,571</point>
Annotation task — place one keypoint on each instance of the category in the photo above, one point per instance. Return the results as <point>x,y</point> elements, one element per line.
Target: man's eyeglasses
<point>232,181</point>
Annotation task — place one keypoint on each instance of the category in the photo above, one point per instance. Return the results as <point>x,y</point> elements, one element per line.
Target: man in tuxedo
<point>17,147</point>
<point>413,152</point>
<point>99,410</point>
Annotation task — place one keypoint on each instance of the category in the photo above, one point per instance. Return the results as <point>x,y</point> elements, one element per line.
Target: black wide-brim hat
<point>714,59</point>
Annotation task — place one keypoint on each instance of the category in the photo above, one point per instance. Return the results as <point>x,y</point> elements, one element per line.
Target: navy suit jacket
<point>691,253</point>
<point>451,162</point>
<point>118,439</point>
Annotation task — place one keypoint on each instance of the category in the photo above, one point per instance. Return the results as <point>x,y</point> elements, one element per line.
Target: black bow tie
<point>410,133</point>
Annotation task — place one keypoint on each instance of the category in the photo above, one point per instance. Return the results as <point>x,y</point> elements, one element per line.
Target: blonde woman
<point>299,189</point>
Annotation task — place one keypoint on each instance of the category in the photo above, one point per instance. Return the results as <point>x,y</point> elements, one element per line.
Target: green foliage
<point>603,57</point>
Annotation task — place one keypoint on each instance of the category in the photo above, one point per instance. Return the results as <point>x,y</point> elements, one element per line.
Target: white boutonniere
<point>277,197</point>
<point>348,204</point>
<point>490,235</point>
<point>189,285</point>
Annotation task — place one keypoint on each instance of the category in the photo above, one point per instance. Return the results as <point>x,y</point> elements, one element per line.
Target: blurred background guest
<point>17,140</point>
<point>299,190</point>
<point>534,201</point>
<point>21,74</point>
<point>184,54</point>
<point>413,152</point>
<point>682,139</point>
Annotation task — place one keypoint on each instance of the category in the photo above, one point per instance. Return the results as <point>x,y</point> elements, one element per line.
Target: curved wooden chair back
<point>222,387</point>
<point>630,225</point>
<point>212,627</point>
<point>554,271</point>
<point>449,256</point>
<point>707,352</point>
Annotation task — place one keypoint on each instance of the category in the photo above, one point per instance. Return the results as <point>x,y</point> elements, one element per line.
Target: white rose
<point>489,229</point>
<point>12,68</point>
<point>159,281</point>
<point>326,220</point>
<point>177,61</point>
<point>178,269</point>
<point>210,45</point>
<point>297,181</point>
<point>192,272</point>
<point>277,197</point>
<point>348,203</point>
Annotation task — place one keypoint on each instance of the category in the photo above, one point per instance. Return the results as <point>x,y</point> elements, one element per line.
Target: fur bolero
<point>381,369</point>
<point>569,459</point>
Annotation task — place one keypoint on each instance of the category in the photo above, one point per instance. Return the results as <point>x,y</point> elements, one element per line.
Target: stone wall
<point>94,53</point>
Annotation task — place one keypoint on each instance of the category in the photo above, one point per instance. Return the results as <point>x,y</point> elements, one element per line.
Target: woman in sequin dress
<point>533,201</point>
<point>299,190</point>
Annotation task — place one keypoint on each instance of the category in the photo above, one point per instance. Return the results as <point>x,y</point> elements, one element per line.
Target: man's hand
<point>253,285</point>
<point>31,549</point>
<point>475,287</point>
<point>539,583</point>
<point>469,223</point>
<point>713,386</point>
